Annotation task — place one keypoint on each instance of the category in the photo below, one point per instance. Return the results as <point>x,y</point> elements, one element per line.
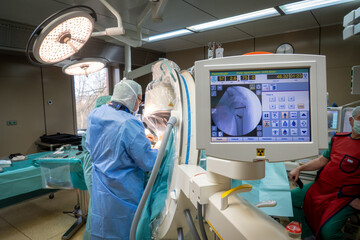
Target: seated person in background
<point>327,203</point>
<point>121,155</point>
<point>87,166</point>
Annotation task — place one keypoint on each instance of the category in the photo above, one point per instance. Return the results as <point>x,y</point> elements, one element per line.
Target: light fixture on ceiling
<point>306,5</point>
<point>225,22</point>
<point>61,35</point>
<point>65,32</point>
<point>85,66</point>
<point>243,18</point>
<point>172,34</point>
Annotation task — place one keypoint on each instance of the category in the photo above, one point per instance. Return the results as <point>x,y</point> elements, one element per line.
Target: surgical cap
<point>102,100</point>
<point>126,92</point>
<point>356,111</point>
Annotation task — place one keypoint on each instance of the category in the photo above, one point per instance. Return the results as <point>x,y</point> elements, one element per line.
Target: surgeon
<point>121,155</point>
<point>87,166</point>
<point>327,203</point>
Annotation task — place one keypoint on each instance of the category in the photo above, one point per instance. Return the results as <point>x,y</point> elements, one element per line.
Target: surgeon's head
<point>129,93</point>
<point>355,121</point>
<point>102,100</point>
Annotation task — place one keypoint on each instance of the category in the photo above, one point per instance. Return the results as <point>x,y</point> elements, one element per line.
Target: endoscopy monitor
<point>334,115</point>
<point>346,127</point>
<point>260,105</point>
<point>261,102</point>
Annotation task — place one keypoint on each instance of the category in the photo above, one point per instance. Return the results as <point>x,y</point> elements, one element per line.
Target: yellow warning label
<point>171,105</point>
<point>260,152</point>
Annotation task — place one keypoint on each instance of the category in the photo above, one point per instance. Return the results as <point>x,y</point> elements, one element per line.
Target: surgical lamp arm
<point>119,30</point>
<point>169,126</point>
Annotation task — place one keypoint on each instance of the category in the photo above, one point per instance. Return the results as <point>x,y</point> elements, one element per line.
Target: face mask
<point>136,111</point>
<point>356,126</point>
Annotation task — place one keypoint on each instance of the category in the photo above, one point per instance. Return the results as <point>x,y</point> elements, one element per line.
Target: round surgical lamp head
<point>84,66</point>
<point>61,35</point>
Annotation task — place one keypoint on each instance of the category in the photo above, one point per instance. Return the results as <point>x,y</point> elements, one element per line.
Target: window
<point>87,90</point>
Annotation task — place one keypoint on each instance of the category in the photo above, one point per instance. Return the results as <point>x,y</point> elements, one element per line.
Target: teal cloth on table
<point>22,177</point>
<point>51,160</point>
<point>157,197</point>
<point>275,186</point>
<point>25,176</point>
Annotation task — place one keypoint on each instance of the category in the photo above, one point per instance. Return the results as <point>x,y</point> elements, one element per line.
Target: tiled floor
<point>39,218</point>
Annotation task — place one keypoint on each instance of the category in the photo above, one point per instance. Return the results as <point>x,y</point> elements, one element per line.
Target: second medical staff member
<point>121,155</point>
<point>334,196</point>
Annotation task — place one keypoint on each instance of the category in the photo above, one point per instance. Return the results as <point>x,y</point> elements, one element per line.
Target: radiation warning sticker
<point>260,152</point>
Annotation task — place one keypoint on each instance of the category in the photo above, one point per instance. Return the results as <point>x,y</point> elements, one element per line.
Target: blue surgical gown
<point>121,155</point>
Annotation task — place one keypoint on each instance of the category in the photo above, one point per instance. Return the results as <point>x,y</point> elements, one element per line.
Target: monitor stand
<point>236,169</point>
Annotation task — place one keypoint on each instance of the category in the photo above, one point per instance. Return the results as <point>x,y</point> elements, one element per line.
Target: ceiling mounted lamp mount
<point>85,66</point>
<point>61,35</point>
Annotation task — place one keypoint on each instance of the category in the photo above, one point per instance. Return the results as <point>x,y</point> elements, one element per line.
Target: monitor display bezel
<point>339,119</point>
<point>274,151</point>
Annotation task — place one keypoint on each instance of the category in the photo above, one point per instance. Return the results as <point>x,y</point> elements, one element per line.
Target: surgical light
<point>61,35</point>
<point>243,18</point>
<point>85,66</point>
<point>167,35</point>
<point>306,5</point>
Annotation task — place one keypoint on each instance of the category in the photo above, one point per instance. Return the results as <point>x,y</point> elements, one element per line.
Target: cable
<point>190,222</point>
<point>180,234</point>
<point>201,222</point>
<point>170,124</point>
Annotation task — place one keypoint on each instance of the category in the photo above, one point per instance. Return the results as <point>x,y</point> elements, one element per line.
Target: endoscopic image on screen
<point>266,105</point>
<point>236,110</point>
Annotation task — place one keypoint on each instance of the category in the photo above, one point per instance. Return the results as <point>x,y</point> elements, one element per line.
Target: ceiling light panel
<point>306,5</point>
<point>167,35</point>
<point>243,18</point>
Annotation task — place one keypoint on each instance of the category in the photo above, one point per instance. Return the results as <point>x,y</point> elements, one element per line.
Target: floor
<point>40,218</point>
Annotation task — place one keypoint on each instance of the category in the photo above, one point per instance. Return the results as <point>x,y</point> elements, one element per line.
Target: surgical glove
<point>150,137</point>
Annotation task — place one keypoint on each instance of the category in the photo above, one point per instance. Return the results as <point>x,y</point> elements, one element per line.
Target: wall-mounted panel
<point>21,101</point>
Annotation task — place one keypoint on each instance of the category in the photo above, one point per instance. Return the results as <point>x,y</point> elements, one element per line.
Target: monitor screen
<point>271,105</point>
<point>346,115</point>
<point>333,119</point>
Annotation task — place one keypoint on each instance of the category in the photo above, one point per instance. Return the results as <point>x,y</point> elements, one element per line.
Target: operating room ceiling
<point>183,13</point>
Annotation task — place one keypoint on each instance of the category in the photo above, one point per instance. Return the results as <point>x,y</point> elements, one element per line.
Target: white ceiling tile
<point>184,13</point>
<point>28,12</point>
<point>228,8</point>
<point>279,24</point>
<point>218,35</point>
<point>335,14</point>
<point>170,45</point>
